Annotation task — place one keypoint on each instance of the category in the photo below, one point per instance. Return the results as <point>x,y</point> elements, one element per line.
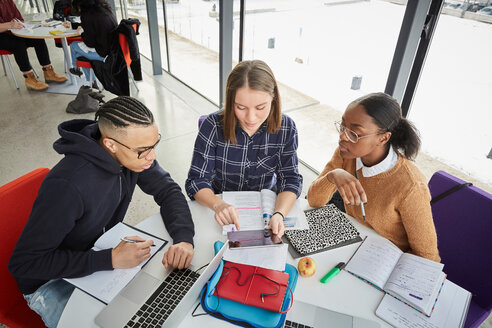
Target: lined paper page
<point>375,260</point>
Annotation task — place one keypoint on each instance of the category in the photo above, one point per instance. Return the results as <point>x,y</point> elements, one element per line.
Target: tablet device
<point>252,238</point>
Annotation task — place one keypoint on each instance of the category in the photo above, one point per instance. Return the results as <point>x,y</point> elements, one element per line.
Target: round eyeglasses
<point>351,135</point>
<point>140,153</point>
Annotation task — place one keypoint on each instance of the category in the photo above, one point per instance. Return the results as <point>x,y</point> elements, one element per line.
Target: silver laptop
<point>309,315</point>
<point>157,301</point>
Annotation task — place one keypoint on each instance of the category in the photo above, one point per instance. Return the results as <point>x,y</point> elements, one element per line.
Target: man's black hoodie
<point>86,193</point>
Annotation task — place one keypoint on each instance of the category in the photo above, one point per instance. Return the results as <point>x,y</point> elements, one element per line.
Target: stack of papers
<point>52,23</point>
<point>450,311</point>
<point>273,258</point>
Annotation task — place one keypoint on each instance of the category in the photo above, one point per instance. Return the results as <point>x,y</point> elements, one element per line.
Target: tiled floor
<point>29,120</point>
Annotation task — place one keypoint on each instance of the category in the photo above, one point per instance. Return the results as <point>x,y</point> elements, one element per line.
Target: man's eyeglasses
<point>140,153</point>
<point>351,135</point>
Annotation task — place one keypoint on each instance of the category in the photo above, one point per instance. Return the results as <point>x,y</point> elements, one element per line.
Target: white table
<point>71,86</point>
<point>344,293</point>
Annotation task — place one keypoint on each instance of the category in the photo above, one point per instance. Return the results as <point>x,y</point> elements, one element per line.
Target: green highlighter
<point>333,272</point>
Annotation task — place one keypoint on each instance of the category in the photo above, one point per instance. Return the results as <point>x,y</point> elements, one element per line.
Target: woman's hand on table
<point>67,24</point>
<point>277,225</point>
<point>226,214</point>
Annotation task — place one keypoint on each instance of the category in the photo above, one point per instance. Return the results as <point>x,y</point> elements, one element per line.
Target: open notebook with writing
<point>411,279</point>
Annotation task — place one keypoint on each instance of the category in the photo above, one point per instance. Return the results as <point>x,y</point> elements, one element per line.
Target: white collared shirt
<point>385,165</point>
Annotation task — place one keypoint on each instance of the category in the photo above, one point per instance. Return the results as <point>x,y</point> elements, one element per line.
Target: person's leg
<point>41,51</point>
<point>50,300</point>
<point>18,47</point>
<point>91,55</point>
<point>77,52</point>
<point>44,59</point>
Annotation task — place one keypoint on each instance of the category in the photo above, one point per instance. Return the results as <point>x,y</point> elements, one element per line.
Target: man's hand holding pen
<point>130,252</point>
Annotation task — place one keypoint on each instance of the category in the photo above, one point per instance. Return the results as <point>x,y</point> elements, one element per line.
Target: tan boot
<point>33,83</point>
<point>51,76</point>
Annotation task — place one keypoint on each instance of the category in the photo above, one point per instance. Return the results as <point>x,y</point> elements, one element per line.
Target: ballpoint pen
<point>133,241</point>
<point>361,202</point>
<point>18,21</point>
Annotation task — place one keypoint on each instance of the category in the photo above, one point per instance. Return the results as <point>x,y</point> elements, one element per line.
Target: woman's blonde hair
<point>256,75</point>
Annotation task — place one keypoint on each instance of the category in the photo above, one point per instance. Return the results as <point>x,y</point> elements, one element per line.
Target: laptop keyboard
<point>163,301</point>
<point>291,324</point>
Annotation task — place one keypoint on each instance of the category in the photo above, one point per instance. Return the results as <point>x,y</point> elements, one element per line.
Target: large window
<point>137,9</point>
<point>452,106</point>
<point>329,52</point>
<point>193,32</point>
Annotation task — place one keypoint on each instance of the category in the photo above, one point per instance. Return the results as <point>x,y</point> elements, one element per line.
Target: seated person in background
<point>11,18</point>
<point>87,193</point>
<point>246,146</point>
<point>97,22</point>
<point>378,142</point>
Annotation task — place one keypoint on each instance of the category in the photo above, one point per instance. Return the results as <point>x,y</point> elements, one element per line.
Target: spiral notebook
<point>329,228</point>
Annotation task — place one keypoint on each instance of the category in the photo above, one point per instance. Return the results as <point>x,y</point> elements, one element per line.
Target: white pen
<point>361,202</point>
<point>133,241</point>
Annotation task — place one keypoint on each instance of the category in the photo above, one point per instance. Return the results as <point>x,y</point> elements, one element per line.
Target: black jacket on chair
<point>113,73</point>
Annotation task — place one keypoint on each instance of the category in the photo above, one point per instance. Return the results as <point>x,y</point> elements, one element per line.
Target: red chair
<point>16,200</point>
<point>6,53</point>
<point>126,53</point>
<point>71,39</point>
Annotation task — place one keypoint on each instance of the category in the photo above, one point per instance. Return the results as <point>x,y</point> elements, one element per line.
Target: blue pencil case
<point>242,314</point>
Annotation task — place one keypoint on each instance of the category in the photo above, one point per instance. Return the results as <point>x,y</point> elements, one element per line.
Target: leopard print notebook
<point>328,228</point>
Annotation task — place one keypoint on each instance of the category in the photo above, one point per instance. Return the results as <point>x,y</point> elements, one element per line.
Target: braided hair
<point>123,111</point>
<point>386,113</point>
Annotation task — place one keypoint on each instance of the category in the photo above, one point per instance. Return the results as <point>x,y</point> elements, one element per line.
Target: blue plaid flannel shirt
<point>261,161</point>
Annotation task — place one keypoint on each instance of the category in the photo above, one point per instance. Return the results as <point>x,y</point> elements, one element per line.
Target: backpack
<point>61,9</point>
<point>86,101</point>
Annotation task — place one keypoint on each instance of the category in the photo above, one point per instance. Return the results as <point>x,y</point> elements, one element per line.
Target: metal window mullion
<point>241,30</point>
<point>164,12</point>
<point>406,47</point>
<point>226,9</point>
<point>155,48</point>
<point>421,55</point>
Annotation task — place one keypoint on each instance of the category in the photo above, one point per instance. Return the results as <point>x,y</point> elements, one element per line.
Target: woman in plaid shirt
<point>248,146</point>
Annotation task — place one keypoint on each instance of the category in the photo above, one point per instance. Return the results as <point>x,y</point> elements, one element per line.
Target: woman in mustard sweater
<point>378,143</point>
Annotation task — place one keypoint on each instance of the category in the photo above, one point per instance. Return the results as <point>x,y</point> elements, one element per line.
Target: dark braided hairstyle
<point>386,114</point>
<point>123,111</point>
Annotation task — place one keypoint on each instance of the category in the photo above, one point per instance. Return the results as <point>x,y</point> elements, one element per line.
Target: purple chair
<point>201,119</point>
<point>463,222</point>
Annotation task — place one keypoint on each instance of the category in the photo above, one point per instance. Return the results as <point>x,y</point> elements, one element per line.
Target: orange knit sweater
<point>398,204</point>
